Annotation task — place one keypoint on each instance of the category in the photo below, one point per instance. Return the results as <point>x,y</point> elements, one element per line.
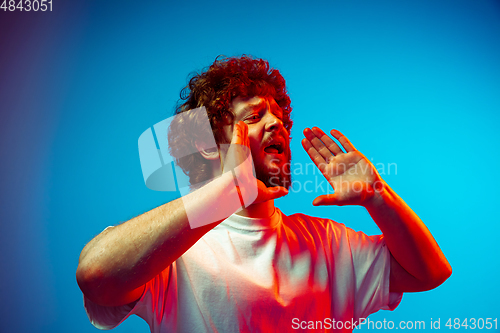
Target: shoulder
<point>313,222</point>
<point>319,228</point>
<point>335,231</point>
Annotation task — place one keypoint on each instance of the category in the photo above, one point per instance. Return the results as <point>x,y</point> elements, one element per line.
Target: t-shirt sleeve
<point>371,267</point>
<point>108,317</point>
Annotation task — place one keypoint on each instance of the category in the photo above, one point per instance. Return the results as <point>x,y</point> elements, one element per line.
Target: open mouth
<point>275,148</point>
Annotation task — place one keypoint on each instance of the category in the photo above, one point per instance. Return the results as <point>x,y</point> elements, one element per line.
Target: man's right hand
<point>239,161</point>
<point>115,266</point>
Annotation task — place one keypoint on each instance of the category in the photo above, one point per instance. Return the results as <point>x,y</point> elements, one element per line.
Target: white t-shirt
<point>265,275</point>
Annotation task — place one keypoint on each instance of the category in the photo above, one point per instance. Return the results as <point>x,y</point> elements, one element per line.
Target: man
<point>256,270</point>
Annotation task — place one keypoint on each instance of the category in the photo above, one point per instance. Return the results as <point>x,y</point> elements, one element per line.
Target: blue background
<point>412,83</point>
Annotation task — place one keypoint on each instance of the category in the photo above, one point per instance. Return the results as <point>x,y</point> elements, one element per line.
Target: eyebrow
<point>259,106</point>
<point>255,107</point>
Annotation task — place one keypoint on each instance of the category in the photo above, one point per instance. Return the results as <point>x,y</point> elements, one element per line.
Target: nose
<point>273,123</point>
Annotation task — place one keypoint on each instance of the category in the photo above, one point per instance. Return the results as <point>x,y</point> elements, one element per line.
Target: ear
<point>210,153</point>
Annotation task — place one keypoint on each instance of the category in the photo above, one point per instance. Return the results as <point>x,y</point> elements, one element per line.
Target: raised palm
<point>351,175</point>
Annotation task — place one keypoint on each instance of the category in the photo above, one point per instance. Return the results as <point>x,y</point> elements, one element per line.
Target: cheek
<point>255,148</point>
<point>255,141</point>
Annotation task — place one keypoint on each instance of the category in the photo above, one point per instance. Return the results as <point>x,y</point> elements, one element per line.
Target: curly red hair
<point>215,88</point>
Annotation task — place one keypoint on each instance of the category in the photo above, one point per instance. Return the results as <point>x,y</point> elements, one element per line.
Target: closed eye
<point>254,117</point>
<point>278,114</point>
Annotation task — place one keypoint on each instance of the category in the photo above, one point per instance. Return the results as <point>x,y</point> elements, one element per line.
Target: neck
<point>258,210</point>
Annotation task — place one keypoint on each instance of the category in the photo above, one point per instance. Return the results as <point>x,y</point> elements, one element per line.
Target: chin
<point>280,180</point>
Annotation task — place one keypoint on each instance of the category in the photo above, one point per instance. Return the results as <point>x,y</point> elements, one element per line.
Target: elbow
<point>446,273</point>
<point>83,277</point>
<point>103,290</point>
<point>440,276</point>
<point>88,278</point>
<point>92,282</point>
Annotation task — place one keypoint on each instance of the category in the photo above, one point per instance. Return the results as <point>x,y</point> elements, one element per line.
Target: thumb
<point>276,192</point>
<point>329,199</point>
<point>269,193</point>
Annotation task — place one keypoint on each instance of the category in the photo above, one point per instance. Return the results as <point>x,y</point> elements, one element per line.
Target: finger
<point>329,199</point>
<point>343,140</point>
<point>318,144</point>
<point>244,128</point>
<point>316,157</point>
<point>240,134</point>
<point>236,139</point>
<point>244,133</point>
<point>329,143</point>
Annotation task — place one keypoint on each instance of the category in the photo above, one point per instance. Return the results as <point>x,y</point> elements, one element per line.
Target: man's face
<point>269,140</point>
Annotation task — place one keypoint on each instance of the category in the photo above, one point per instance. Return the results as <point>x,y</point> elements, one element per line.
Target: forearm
<point>123,258</point>
<point>408,239</point>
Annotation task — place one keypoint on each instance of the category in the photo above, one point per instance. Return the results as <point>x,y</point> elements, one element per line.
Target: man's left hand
<point>353,178</point>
